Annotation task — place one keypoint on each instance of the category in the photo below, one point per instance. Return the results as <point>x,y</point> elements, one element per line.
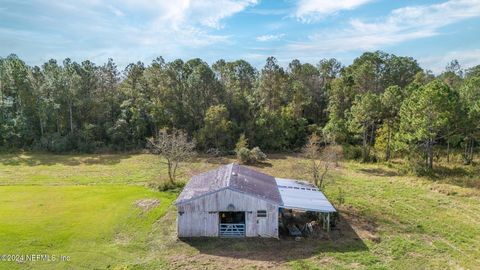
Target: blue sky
<point>434,32</point>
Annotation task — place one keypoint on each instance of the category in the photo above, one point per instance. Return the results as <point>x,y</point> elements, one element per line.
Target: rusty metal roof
<point>235,177</point>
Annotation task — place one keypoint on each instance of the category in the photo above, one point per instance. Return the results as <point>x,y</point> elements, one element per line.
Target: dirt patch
<point>147,204</point>
<point>122,239</point>
<point>364,227</point>
<point>208,261</point>
<point>248,253</point>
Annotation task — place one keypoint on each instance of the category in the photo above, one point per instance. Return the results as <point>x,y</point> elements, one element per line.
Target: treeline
<point>385,103</point>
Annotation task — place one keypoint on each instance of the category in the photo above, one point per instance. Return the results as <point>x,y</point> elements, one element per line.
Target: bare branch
<point>174,147</point>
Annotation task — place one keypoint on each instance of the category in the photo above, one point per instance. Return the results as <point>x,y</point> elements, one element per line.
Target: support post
<point>328,222</point>
<point>324,225</point>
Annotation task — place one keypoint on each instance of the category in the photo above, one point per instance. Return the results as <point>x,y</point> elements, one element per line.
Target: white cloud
<point>115,10</point>
<point>207,13</point>
<point>437,63</point>
<point>124,29</point>
<point>265,38</point>
<point>313,10</point>
<point>400,25</point>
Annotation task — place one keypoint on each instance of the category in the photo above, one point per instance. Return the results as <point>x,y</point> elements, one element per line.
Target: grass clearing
<point>96,226</point>
<point>85,169</point>
<point>84,206</point>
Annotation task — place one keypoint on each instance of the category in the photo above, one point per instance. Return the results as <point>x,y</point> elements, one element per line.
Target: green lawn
<point>83,206</point>
<point>48,169</point>
<point>96,226</point>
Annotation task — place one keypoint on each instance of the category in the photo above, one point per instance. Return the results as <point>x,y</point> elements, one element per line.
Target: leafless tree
<point>174,147</point>
<point>321,157</point>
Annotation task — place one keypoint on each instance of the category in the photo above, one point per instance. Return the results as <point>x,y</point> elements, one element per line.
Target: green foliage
<point>217,129</point>
<point>424,115</point>
<point>241,143</point>
<point>391,101</point>
<point>250,156</point>
<point>470,100</point>
<point>243,155</point>
<point>382,140</point>
<point>256,155</point>
<point>363,118</point>
<point>335,130</point>
<point>289,131</point>
<point>67,106</point>
<point>353,152</point>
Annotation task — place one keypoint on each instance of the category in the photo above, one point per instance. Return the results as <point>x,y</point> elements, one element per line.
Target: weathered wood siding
<point>200,216</point>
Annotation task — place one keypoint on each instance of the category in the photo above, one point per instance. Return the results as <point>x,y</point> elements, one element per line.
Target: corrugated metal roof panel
<point>255,183</point>
<point>207,182</point>
<point>298,194</point>
<point>235,177</point>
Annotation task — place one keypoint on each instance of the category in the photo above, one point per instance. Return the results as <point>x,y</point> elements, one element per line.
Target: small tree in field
<point>241,143</point>
<point>174,147</point>
<point>320,158</point>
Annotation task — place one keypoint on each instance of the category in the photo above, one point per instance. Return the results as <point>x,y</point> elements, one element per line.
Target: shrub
<point>243,155</point>
<point>414,164</point>
<point>257,155</point>
<point>467,159</point>
<point>241,143</point>
<point>166,186</point>
<point>352,152</point>
<point>213,152</point>
<point>247,156</point>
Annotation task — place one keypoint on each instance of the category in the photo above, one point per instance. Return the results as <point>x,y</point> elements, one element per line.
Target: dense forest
<point>385,105</point>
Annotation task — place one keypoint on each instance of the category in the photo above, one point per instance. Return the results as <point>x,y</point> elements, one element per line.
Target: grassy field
<point>86,207</point>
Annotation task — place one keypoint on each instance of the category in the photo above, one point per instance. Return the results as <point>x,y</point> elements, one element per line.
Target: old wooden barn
<point>235,200</point>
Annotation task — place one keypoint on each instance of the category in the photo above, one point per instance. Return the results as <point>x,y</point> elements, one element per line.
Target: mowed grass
<point>49,169</point>
<point>83,207</point>
<point>96,227</point>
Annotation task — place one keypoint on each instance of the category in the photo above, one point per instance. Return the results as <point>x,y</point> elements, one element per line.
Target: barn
<point>236,201</point>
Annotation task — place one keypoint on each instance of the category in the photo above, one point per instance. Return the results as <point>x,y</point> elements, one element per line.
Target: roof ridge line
<point>230,174</point>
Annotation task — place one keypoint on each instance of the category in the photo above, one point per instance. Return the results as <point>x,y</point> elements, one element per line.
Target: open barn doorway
<point>297,223</point>
<point>232,224</point>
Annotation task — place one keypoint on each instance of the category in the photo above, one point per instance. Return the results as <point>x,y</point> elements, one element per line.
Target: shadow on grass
<point>221,160</point>
<point>37,159</point>
<point>458,176</point>
<point>275,156</point>
<point>224,160</point>
<point>379,172</point>
<point>261,164</point>
<point>444,172</point>
<point>341,239</point>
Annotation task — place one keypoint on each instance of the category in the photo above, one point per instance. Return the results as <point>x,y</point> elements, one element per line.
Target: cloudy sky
<point>434,32</point>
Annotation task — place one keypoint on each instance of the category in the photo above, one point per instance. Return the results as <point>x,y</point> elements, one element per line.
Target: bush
<point>54,142</point>
<point>79,141</point>
<point>247,156</point>
<point>466,159</point>
<point>352,152</point>
<point>166,186</point>
<point>243,155</point>
<point>213,152</point>
<point>241,143</point>
<point>414,164</point>
<point>257,155</point>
